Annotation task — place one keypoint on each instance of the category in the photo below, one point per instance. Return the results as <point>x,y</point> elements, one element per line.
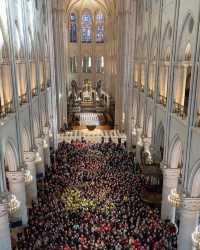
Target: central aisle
<point>90,200</point>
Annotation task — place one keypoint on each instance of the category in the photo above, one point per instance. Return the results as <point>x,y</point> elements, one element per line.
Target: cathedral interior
<point>99,124</point>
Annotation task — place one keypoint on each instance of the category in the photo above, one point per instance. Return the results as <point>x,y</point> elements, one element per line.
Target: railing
<point>6,109</point>
<point>9,107</point>
<point>48,83</point>
<point>179,110</point>
<point>163,100</point>
<point>43,87</point>
<point>135,84</point>
<point>34,92</point>
<point>23,99</point>
<point>150,92</point>
<point>141,88</point>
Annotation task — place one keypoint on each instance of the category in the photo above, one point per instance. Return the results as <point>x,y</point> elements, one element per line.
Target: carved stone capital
<point>39,142</point>
<point>15,176</point>
<point>170,174</point>
<point>191,204</point>
<point>29,157</point>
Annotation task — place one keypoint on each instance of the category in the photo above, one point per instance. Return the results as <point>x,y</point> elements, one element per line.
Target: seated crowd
<point>90,199</point>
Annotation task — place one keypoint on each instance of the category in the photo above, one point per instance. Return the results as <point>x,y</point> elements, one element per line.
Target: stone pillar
<point>183,78</point>
<point>173,215</point>
<point>5,240</point>
<point>40,167</point>
<point>139,143</point>
<point>147,144</point>
<point>139,136</point>
<point>17,187</point>
<point>133,133</point>
<point>46,146</point>
<point>189,216</point>
<point>170,181</point>
<point>50,138</point>
<point>31,188</point>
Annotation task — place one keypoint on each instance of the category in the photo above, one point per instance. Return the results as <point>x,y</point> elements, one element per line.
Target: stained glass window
<point>99,27</point>
<point>73,29</point>
<point>86,28</point>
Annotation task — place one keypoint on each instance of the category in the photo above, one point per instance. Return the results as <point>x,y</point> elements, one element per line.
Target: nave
<point>90,199</point>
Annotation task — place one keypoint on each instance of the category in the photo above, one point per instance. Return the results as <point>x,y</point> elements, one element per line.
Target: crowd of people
<point>102,208</point>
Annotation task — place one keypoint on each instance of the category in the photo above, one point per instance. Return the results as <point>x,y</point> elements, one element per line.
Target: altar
<point>87,96</point>
<point>87,92</point>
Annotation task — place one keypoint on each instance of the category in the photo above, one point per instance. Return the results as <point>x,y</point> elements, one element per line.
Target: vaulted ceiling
<point>108,5</point>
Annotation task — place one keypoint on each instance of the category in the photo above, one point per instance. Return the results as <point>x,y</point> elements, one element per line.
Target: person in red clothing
<point>66,247</point>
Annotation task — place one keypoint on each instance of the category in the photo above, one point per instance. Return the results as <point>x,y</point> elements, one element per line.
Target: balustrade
<point>150,92</point>
<point>34,92</point>
<point>141,88</point>
<point>163,100</point>
<point>179,110</point>
<point>23,99</point>
<point>5,109</point>
<point>43,87</point>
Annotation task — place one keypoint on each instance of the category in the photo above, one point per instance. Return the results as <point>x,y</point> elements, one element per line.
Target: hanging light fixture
<point>196,238</point>
<point>13,204</point>
<point>27,176</point>
<point>45,145</point>
<point>38,158</point>
<point>174,198</point>
<point>50,134</point>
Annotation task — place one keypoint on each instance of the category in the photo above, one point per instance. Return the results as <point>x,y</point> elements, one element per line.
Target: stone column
<point>189,216</point>
<point>31,188</point>
<point>147,144</point>
<point>40,167</point>
<point>50,138</point>
<point>17,187</point>
<point>46,146</point>
<point>182,74</point>
<point>52,96</point>
<point>133,131</point>
<point>170,181</point>
<point>139,143</point>
<point>5,241</point>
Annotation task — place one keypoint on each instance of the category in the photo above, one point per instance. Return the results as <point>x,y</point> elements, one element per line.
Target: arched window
<point>99,27</point>
<point>87,64</point>
<point>73,30</point>
<point>100,64</point>
<point>86,27</point>
<point>188,53</point>
<point>188,58</point>
<point>73,64</point>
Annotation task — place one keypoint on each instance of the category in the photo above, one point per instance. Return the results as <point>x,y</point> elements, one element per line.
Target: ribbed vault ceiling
<point>108,5</point>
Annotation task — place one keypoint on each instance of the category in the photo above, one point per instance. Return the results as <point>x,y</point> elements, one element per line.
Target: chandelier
<point>50,134</point>
<point>27,176</point>
<point>38,158</point>
<point>174,198</point>
<point>196,238</point>
<point>13,204</point>
<point>45,145</point>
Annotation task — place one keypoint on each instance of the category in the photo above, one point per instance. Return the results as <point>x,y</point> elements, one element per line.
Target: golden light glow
<point>174,198</point>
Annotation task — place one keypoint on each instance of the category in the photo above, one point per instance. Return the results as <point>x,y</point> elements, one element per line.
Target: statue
<point>98,89</point>
<point>74,93</point>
